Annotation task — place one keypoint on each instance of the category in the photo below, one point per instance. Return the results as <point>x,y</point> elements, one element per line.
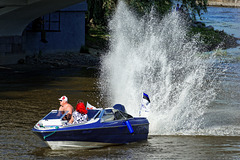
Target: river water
<point>188,127</point>
<point>226,19</point>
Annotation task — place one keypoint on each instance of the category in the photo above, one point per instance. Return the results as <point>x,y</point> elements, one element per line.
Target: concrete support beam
<point>16,2</point>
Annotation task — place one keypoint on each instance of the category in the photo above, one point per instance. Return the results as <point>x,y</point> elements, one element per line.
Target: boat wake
<point>155,56</point>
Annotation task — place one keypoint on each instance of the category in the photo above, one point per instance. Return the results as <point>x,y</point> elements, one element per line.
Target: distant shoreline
<point>224,3</point>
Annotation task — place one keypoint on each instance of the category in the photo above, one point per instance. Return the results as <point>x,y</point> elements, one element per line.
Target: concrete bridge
<point>17,41</point>
<point>15,15</point>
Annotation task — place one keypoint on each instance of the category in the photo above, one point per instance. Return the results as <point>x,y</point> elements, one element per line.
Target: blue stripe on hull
<point>111,134</point>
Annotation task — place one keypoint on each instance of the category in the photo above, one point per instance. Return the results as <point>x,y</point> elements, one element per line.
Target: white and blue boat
<point>109,126</point>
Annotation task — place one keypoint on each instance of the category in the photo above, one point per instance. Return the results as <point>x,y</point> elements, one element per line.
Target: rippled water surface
<point>26,97</point>
<point>226,19</point>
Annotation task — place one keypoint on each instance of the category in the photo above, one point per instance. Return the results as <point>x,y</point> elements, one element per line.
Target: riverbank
<point>46,62</point>
<point>211,39</point>
<point>224,3</point>
<point>89,56</point>
<point>97,44</point>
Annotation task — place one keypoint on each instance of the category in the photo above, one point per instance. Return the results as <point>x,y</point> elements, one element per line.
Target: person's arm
<point>60,108</point>
<point>71,120</point>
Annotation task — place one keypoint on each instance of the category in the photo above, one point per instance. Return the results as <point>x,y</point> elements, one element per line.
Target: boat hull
<point>61,145</point>
<point>94,136</point>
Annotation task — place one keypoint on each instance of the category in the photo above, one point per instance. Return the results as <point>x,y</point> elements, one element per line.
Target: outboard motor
<point>119,107</point>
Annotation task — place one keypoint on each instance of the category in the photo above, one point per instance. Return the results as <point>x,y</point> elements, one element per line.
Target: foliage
<point>99,11</point>
<point>194,6</point>
<point>97,37</point>
<point>209,37</point>
<point>145,6</point>
<point>213,38</point>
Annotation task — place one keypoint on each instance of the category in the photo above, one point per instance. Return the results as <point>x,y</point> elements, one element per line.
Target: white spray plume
<point>156,57</point>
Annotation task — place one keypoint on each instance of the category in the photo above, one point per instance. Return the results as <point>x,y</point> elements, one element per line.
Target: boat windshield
<point>113,114</point>
<point>55,114</point>
<point>108,115</point>
<point>93,113</point>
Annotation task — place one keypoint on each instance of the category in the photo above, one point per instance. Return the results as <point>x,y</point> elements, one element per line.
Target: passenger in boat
<point>65,106</point>
<point>80,114</point>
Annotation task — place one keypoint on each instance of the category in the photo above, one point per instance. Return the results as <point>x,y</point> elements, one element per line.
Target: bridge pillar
<point>11,49</point>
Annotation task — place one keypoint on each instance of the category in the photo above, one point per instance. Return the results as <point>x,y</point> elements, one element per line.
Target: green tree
<point>99,11</point>
<point>195,6</point>
<point>143,6</point>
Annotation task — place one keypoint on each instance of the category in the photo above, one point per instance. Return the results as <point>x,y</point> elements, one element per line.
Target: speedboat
<point>109,126</point>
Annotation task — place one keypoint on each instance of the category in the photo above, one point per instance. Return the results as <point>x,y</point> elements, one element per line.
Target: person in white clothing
<point>80,114</point>
<point>145,106</point>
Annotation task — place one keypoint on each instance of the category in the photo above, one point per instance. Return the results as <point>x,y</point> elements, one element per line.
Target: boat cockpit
<point>56,118</point>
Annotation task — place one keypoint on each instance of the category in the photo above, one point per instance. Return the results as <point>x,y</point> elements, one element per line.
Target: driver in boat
<point>65,106</point>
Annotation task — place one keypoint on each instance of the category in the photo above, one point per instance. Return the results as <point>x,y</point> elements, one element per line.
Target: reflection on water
<point>158,147</point>
<point>161,147</point>
<point>26,97</point>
